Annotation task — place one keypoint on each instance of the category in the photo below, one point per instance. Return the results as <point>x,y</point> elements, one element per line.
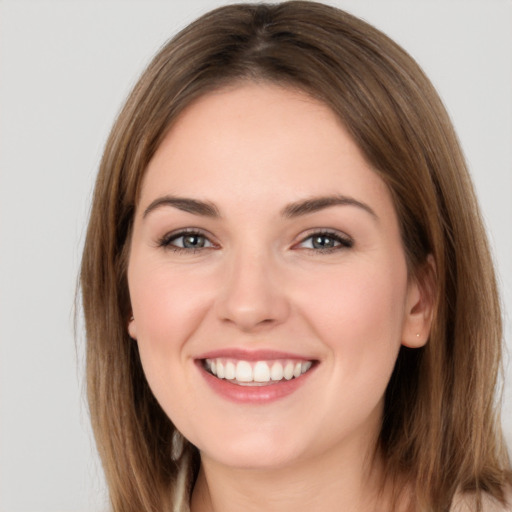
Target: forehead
<point>252,139</point>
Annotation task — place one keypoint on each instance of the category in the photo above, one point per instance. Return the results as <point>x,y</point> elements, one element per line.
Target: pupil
<point>323,242</point>
<point>193,241</point>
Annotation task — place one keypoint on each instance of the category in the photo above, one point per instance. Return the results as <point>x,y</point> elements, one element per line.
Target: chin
<point>257,451</point>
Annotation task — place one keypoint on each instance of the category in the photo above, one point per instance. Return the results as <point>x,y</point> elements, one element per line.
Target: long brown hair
<point>441,425</point>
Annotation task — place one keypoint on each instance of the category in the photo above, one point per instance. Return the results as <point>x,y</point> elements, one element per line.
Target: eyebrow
<point>292,210</point>
<point>194,206</point>
<point>316,204</point>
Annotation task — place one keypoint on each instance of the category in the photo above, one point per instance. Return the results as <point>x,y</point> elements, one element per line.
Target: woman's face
<point>266,251</point>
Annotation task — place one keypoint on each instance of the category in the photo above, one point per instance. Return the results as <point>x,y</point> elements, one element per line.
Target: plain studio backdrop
<point>66,67</point>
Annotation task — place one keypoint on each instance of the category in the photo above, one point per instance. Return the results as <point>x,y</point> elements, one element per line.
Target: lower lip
<point>254,394</point>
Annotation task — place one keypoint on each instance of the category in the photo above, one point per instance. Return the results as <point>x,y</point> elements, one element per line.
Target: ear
<point>132,328</point>
<point>420,305</point>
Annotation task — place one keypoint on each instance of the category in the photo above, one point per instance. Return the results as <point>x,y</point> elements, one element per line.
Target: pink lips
<point>250,355</point>
<point>258,393</point>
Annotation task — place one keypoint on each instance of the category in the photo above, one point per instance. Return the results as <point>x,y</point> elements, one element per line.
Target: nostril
<point>249,323</point>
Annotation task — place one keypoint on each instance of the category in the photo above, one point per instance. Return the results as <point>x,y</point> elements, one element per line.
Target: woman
<point>288,294</point>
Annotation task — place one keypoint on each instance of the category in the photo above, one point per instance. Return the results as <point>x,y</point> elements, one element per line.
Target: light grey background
<point>65,67</point>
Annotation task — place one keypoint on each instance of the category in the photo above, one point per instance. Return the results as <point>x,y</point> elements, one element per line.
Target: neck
<point>347,479</point>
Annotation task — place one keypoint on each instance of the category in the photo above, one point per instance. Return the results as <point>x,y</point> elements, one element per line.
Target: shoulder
<point>466,503</point>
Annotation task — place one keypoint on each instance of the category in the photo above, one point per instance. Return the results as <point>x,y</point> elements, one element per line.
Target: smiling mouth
<point>256,373</point>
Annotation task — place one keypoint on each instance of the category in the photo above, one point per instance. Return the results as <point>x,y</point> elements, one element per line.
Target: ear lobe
<point>420,305</point>
<point>132,328</point>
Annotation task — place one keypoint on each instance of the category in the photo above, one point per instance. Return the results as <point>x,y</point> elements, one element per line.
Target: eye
<point>326,242</point>
<point>185,241</point>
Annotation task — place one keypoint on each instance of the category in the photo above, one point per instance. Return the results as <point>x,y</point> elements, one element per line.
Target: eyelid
<point>345,241</point>
<point>166,240</point>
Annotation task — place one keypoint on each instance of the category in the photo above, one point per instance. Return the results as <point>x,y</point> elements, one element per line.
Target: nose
<point>252,296</point>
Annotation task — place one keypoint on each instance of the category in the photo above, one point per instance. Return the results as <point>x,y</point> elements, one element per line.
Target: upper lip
<point>252,355</point>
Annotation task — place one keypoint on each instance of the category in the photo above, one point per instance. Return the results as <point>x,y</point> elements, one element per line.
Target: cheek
<point>359,316</point>
<point>364,334</point>
<point>166,303</point>
<point>168,308</point>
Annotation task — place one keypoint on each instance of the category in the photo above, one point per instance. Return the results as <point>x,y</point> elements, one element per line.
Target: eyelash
<point>166,242</point>
<point>342,241</point>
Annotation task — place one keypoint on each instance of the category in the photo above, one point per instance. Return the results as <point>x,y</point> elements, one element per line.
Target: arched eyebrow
<point>315,204</point>
<point>292,210</point>
<point>185,204</point>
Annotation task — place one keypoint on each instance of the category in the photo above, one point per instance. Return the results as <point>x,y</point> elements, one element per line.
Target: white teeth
<point>277,372</point>
<point>243,371</point>
<point>261,372</point>
<point>220,370</point>
<point>230,370</point>
<point>306,366</point>
<point>288,371</point>
<point>258,371</point>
